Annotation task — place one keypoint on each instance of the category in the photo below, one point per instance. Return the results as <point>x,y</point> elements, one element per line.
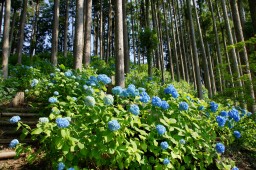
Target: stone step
<point>20,109</point>
<point>8,114</point>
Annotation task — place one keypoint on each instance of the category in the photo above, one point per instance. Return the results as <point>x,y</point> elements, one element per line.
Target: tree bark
<point>79,35</point>
<point>1,16</point>
<point>14,16</point>
<point>87,40</point>
<point>66,29</point>
<point>55,33</point>
<point>6,42</point>
<point>126,48</point>
<point>119,46</point>
<point>21,32</point>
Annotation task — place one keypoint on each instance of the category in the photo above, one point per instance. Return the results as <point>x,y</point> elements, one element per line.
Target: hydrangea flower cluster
<point>62,122</point>
<point>182,141</point>
<point>104,78</point>
<point>15,119</point>
<point>164,145</point>
<point>249,114</point>
<point>164,105</point>
<point>134,109</point>
<point>53,100</point>
<point>108,99</point>
<point>234,114</point>
<point>237,134</point>
<point>68,73</point>
<point>92,81</point>
<point>141,89</point>
<point>71,168</point>
<point>61,166</point>
<point>89,101</point>
<point>160,129</point>
<point>156,101</point>
<point>113,125</point>
<point>13,143</point>
<point>144,97</point>
<point>213,106</point>
<point>88,90</point>
<point>34,82</point>
<point>43,120</point>
<point>166,161</point>
<point>183,106</point>
<point>235,168</point>
<point>224,113</point>
<point>56,93</point>
<point>117,90</point>
<point>221,121</point>
<point>132,91</point>
<point>220,148</point>
<point>171,90</point>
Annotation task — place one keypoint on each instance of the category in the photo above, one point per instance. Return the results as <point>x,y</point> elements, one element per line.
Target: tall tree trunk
<point>119,44</point>
<point>241,11</point>
<point>14,16</point>
<point>22,27</point>
<point>213,84</point>
<point>205,63</point>
<point>133,36</point>
<point>101,30</point>
<point>34,31</point>
<point>194,49</point>
<point>87,41</point>
<point>66,29</point>
<point>126,48</point>
<point>1,16</point>
<point>252,7</point>
<point>6,42</point>
<point>55,33</point>
<point>243,53</point>
<point>109,31</point>
<point>79,35</point>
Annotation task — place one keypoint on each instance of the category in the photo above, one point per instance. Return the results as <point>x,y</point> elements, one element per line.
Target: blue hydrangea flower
<point>89,101</point>
<point>156,101</point>
<point>141,89</point>
<point>71,168</point>
<point>88,90</point>
<point>56,93</point>
<point>108,99</point>
<point>61,166</point>
<point>124,93</point>
<point>249,114</point>
<point>104,78</point>
<point>53,100</point>
<point>68,73</point>
<point>134,109</point>
<point>234,114</point>
<point>166,161</point>
<point>220,148</point>
<point>62,122</point>
<point>221,121</point>
<point>15,119</point>
<point>113,125</point>
<point>182,141</point>
<point>164,105</point>
<point>13,143</point>
<point>201,108</point>
<point>144,97</point>
<point>213,106</point>
<point>160,129</point>
<point>183,106</point>
<point>164,145</point>
<point>34,82</point>
<point>171,90</point>
<point>237,134</point>
<point>131,90</point>
<point>235,168</point>
<point>117,90</point>
<point>43,120</point>
<point>224,113</point>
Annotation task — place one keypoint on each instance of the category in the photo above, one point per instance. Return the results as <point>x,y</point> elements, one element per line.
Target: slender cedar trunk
<point>241,11</point>
<point>55,33</point>
<point>173,18</point>
<point>87,33</point>
<point>138,29</point>
<point>133,36</point>
<point>213,84</point>
<point>218,48</point>
<point>21,30</point>
<point>101,31</point>
<point>126,48</point>
<point>243,53</point>
<point>66,29</point>
<point>252,7</point>
<point>14,16</point>
<point>119,46</point>
<point>97,36</point>
<point>79,35</point>
<point>230,42</point>
<point>1,16</point>
<point>154,21</point>
<point>34,31</point>
<point>194,49</point>
<point>205,63</point>
<point>6,42</point>
<point>187,56</point>
<point>168,43</point>
<point>109,40</point>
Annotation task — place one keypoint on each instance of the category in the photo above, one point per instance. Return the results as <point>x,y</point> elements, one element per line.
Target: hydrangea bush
<point>128,128</point>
